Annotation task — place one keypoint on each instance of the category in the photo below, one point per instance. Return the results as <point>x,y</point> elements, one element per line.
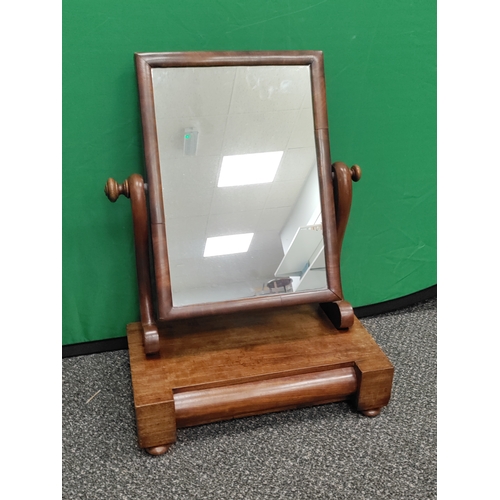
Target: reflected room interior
<point>240,183</point>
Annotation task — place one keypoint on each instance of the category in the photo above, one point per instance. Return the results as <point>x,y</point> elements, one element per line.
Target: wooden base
<point>231,366</point>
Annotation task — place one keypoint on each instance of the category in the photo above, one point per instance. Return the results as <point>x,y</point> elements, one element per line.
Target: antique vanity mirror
<point>243,216</point>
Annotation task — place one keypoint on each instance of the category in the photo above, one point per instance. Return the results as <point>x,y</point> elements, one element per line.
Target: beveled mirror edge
<point>145,62</point>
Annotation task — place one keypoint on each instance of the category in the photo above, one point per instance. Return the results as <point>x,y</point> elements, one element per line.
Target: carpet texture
<point>324,452</point>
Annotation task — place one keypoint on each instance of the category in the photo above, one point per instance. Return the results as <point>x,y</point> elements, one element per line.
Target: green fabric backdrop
<point>380,62</point>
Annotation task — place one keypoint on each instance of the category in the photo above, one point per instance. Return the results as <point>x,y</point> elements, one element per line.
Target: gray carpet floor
<point>325,452</point>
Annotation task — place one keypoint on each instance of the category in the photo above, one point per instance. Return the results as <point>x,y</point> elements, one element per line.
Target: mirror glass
<point>240,182</point>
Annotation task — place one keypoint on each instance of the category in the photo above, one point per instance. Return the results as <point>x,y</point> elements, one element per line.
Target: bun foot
<point>158,450</point>
<point>371,413</point>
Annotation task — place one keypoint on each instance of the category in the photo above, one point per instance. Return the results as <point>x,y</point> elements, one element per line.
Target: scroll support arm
<point>343,177</point>
<point>341,312</point>
<point>134,188</point>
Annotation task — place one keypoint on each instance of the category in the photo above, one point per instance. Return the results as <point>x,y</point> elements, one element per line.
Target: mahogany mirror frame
<point>333,226</point>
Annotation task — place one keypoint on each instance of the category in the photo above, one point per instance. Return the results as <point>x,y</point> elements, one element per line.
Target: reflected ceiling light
<point>255,168</point>
<point>225,245</point>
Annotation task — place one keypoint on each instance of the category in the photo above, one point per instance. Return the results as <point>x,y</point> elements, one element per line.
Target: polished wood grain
<point>343,177</point>
<point>236,365</point>
<point>145,63</point>
<point>202,405</point>
<point>340,313</point>
<point>134,189</point>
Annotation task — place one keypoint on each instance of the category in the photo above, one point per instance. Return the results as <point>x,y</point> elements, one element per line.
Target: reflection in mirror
<point>240,182</point>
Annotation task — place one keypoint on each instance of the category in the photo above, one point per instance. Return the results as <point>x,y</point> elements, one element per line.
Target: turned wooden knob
<point>355,173</point>
<point>113,190</point>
